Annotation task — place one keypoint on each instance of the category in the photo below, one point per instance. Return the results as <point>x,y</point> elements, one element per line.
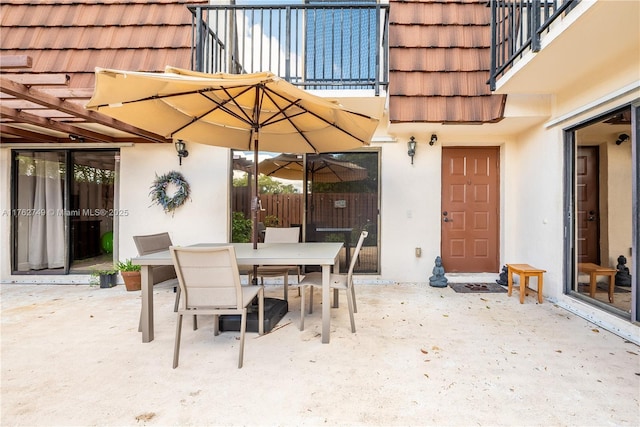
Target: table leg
<point>326,303</point>
<point>592,285</point>
<point>612,284</point>
<point>540,283</point>
<point>146,317</point>
<point>510,281</point>
<point>524,285</point>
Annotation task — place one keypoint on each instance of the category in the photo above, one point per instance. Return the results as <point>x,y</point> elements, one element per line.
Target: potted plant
<point>106,278</point>
<point>130,273</point>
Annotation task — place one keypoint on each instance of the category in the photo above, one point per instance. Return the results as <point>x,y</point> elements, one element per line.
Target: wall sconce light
<point>181,149</point>
<point>412,148</point>
<point>434,139</point>
<point>622,138</point>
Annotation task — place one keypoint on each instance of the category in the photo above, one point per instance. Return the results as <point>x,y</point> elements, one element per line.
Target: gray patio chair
<point>152,243</point>
<point>336,281</point>
<point>279,235</point>
<point>210,284</point>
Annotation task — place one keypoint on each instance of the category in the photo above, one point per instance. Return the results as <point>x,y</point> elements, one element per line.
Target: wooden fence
<point>334,210</point>
<point>325,209</point>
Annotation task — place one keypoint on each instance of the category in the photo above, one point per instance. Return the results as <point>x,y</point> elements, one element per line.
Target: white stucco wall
<point>410,210</point>
<point>204,218</point>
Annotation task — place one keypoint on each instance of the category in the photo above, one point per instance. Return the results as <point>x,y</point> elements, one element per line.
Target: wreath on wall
<point>159,194</point>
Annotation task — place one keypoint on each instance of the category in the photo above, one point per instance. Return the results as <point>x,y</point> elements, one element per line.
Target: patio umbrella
<point>249,112</point>
<point>323,168</point>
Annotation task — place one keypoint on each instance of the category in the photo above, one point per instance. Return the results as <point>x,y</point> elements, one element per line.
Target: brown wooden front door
<point>587,201</point>
<point>470,209</point>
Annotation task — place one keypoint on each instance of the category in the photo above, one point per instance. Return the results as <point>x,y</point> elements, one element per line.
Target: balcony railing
<point>314,46</point>
<point>518,25</point>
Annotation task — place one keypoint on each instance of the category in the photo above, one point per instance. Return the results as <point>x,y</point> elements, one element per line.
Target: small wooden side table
<point>525,271</point>
<point>595,270</point>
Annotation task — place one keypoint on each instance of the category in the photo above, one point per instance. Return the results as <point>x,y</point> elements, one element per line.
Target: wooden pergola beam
<point>39,79</point>
<point>15,61</point>
<point>30,94</point>
<point>22,117</point>
<point>27,135</point>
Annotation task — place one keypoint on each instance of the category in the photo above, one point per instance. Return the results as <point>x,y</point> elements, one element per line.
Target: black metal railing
<point>314,45</point>
<point>517,26</point>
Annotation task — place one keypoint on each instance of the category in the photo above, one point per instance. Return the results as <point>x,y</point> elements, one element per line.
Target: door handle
<point>447,219</point>
<point>592,216</point>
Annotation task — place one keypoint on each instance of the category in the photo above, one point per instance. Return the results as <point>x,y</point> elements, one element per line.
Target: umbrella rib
<point>219,106</point>
<point>267,92</point>
<point>317,116</point>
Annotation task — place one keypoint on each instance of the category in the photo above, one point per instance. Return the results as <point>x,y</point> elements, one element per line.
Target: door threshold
<point>472,277</point>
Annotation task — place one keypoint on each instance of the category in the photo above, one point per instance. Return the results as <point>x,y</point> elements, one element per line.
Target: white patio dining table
<point>324,254</point>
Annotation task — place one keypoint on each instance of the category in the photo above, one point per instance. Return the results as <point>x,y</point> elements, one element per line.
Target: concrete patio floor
<point>72,355</point>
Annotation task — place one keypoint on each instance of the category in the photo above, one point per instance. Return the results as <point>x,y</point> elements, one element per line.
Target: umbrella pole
<point>255,205</point>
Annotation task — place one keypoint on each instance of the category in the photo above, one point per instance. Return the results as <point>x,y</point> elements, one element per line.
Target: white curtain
<point>46,231</point>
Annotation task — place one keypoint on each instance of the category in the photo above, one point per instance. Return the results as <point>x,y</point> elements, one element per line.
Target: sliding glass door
<point>602,204</point>
<point>61,210</point>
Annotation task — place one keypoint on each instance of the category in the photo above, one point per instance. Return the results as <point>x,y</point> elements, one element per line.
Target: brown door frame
<point>470,239</point>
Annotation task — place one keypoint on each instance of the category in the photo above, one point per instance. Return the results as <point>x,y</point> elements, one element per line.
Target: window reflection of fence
<point>324,209</point>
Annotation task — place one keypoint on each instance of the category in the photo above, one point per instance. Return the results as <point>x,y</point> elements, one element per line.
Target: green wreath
<point>159,195</point>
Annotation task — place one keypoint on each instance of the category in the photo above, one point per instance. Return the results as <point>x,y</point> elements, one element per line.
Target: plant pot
<point>108,280</point>
<point>132,280</point>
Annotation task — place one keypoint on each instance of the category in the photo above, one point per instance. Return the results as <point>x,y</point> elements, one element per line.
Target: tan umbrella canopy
<point>323,168</point>
<point>249,112</point>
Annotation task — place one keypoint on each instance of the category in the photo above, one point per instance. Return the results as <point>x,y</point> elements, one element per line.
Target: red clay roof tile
<point>439,62</point>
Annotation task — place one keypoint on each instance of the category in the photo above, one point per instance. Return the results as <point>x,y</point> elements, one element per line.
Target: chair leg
<point>353,298</point>
<point>243,326</point>
<point>176,348</point>
<point>195,322</point>
<point>302,291</point>
<point>350,303</point>
<point>176,304</point>
<point>286,286</point>
<point>261,312</point>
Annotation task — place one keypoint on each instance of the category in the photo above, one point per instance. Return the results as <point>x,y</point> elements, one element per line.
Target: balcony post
<point>198,39</point>
<point>535,25</point>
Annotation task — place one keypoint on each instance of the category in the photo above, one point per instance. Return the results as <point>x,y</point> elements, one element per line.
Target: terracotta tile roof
<point>61,42</point>
<point>75,36</point>
<point>439,53</point>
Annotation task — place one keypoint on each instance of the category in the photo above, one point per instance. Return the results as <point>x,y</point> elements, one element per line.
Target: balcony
<point>330,46</point>
<point>546,46</point>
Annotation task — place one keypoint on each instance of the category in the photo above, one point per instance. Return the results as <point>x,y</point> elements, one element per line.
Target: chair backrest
<point>282,235</point>
<point>208,277</point>
<point>354,258</point>
<point>152,243</point>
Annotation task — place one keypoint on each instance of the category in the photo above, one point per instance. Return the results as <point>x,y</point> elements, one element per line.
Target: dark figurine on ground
<point>438,280</point>
<point>623,278</point>
<point>503,278</point>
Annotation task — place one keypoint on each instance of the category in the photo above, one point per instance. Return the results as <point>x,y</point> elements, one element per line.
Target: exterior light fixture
<point>181,149</point>
<point>622,138</point>
<point>434,139</point>
<point>412,148</point>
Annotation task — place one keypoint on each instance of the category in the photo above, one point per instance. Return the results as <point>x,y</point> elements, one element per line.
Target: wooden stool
<point>595,270</point>
<point>525,271</point>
